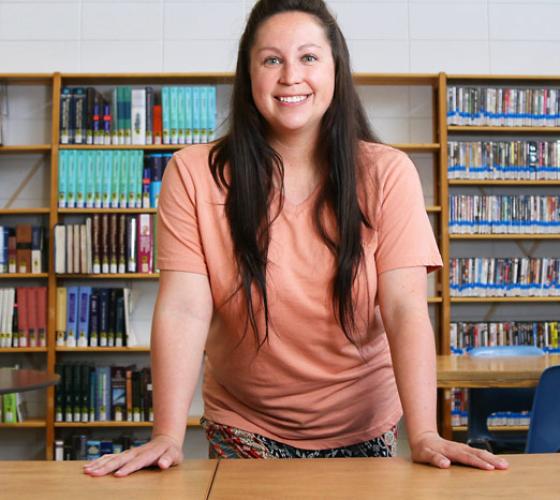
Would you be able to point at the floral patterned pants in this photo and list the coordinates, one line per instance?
(231, 442)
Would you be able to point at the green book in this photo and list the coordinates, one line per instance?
(181, 118)
(165, 115)
(107, 178)
(123, 179)
(98, 197)
(115, 181)
(62, 178)
(71, 179)
(81, 182)
(139, 167)
(127, 115)
(90, 157)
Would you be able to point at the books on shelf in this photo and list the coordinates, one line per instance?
(110, 179)
(505, 160)
(103, 394)
(464, 335)
(23, 249)
(23, 317)
(106, 244)
(503, 106)
(504, 277)
(83, 447)
(504, 419)
(94, 317)
(504, 214)
(171, 115)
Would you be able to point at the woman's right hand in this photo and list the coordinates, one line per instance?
(161, 450)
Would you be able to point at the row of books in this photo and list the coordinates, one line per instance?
(504, 277)
(102, 394)
(503, 106)
(508, 160)
(23, 317)
(93, 317)
(176, 115)
(464, 335)
(23, 249)
(110, 179)
(504, 214)
(107, 244)
(82, 447)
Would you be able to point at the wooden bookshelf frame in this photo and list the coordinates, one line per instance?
(439, 212)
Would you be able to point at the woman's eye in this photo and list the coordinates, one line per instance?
(309, 58)
(270, 61)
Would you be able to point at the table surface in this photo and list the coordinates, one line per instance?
(529, 476)
(20, 380)
(514, 371)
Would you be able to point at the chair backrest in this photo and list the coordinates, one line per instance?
(544, 430)
(505, 350)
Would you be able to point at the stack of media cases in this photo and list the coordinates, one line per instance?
(171, 115)
(504, 160)
(83, 447)
(110, 179)
(503, 106)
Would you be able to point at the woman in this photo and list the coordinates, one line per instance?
(295, 251)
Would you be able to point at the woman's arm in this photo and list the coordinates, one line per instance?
(182, 316)
(402, 297)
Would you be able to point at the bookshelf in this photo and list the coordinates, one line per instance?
(526, 244)
(442, 304)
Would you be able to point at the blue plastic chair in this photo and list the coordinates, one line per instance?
(544, 430)
(483, 402)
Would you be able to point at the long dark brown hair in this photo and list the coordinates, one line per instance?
(252, 163)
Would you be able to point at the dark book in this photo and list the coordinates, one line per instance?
(121, 247)
(66, 132)
(105, 256)
(37, 249)
(12, 253)
(84, 392)
(112, 317)
(106, 123)
(119, 320)
(23, 247)
(113, 247)
(79, 100)
(96, 244)
(68, 396)
(76, 393)
(90, 99)
(97, 115)
(136, 397)
(118, 394)
(148, 404)
(149, 114)
(79, 448)
(157, 130)
(94, 319)
(103, 316)
(59, 394)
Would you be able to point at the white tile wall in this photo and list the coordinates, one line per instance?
(457, 36)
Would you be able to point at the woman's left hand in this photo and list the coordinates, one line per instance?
(430, 448)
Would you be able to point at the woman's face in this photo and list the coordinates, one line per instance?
(292, 74)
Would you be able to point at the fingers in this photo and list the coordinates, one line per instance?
(463, 454)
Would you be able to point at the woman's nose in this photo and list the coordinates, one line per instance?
(290, 73)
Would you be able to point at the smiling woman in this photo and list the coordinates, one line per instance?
(294, 253)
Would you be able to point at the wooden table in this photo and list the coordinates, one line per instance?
(20, 380)
(529, 476)
(515, 371)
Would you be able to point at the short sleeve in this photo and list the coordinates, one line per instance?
(178, 234)
(405, 235)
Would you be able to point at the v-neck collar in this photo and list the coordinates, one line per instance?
(296, 208)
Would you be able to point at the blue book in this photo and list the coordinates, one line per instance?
(93, 449)
(72, 316)
(165, 115)
(203, 114)
(83, 315)
(173, 115)
(62, 178)
(104, 393)
(103, 295)
(196, 114)
(188, 115)
(211, 113)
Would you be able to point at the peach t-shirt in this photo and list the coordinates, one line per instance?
(308, 386)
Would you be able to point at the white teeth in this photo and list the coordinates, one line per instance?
(297, 98)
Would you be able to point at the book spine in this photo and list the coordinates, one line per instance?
(115, 117)
(144, 243)
(165, 115)
(106, 194)
(203, 114)
(23, 247)
(79, 97)
(90, 100)
(94, 319)
(189, 114)
(72, 320)
(138, 97)
(212, 118)
(119, 320)
(121, 247)
(90, 159)
(107, 123)
(61, 316)
(128, 115)
(157, 130)
(81, 179)
(98, 176)
(105, 243)
(65, 106)
(103, 316)
(37, 249)
(113, 228)
(131, 244)
(115, 182)
(181, 118)
(62, 178)
(83, 315)
(149, 115)
(22, 339)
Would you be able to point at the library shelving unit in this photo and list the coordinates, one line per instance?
(56, 81)
(471, 133)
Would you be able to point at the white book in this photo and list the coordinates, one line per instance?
(128, 307)
(76, 264)
(3, 317)
(138, 116)
(83, 252)
(60, 249)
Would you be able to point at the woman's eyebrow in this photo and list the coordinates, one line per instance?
(304, 46)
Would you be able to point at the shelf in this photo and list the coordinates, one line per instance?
(501, 182)
(125, 276)
(433, 209)
(504, 236)
(28, 424)
(16, 78)
(435, 300)
(145, 78)
(22, 276)
(191, 422)
(509, 130)
(77, 211)
(153, 147)
(24, 211)
(103, 349)
(504, 299)
(32, 148)
(493, 428)
(22, 349)
(417, 148)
